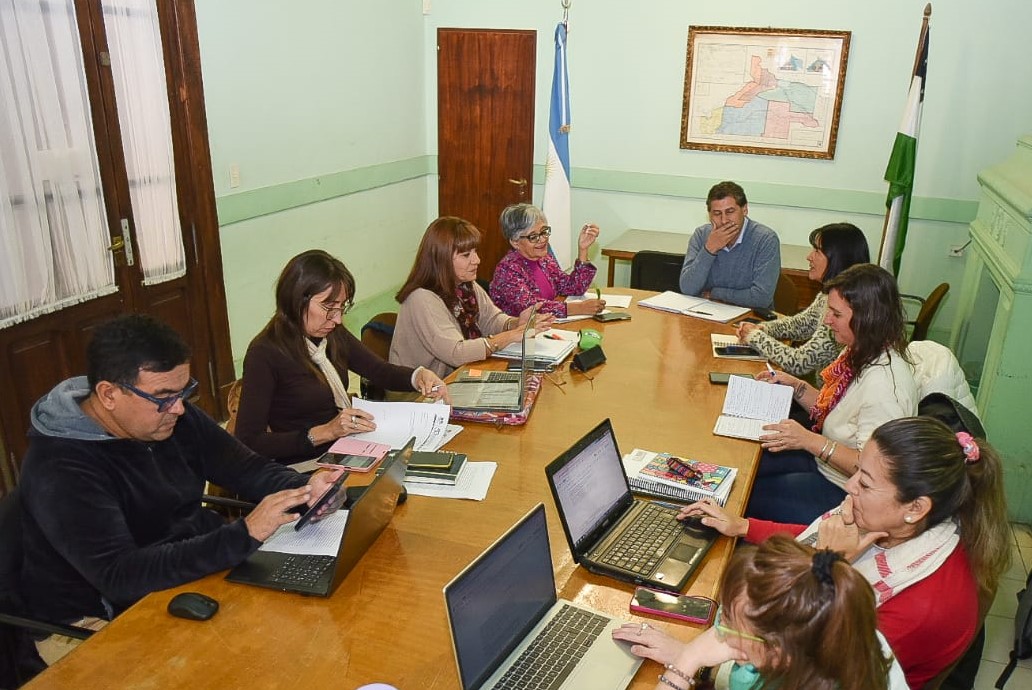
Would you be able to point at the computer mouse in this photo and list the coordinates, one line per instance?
(193, 606)
(693, 525)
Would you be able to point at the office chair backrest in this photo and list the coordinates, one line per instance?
(658, 271)
(786, 300)
(377, 335)
(929, 306)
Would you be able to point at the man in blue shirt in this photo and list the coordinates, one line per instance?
(732, 258)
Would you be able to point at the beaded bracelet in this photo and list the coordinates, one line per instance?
(666, 681)
(678, 672)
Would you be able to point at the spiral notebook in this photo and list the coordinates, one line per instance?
(643, 474)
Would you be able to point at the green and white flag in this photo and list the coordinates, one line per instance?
(900, 171)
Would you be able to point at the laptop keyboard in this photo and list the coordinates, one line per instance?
(644, 543)
(301, 570)
(554, 653)
(492, 377)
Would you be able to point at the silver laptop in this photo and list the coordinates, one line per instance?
(613, 533)
(500, 391)
(508, 625)
(318, 575)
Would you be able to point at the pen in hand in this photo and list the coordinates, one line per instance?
(773, 374)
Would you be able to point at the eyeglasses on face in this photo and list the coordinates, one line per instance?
(535, 237)
(724, 632)
(167, 403)
(333, 312)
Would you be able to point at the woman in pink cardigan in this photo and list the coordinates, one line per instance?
(925, 522)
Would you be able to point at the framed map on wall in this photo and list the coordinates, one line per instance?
(775, 92)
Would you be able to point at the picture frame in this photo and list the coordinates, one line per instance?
(773, 92)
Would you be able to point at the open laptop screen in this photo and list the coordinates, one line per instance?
(590, 483)
(494, 603)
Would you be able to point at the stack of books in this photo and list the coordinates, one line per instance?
(439, 467)
(663, 475)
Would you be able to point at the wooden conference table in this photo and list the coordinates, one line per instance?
(386, 622)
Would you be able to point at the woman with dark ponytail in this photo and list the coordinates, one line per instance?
(925, 523)
(791, 617)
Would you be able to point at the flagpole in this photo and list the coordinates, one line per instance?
(893, 207)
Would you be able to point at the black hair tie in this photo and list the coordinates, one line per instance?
(823, 561)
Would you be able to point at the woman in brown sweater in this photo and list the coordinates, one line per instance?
(294, 401)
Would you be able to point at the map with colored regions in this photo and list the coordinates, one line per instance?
(777, 98)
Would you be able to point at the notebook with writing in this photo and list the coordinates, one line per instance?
(609, 530)
(510, 630)
(319, 575)
(492, 390)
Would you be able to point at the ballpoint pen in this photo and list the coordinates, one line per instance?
(773, 374)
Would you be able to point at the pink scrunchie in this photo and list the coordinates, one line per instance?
(970, 447)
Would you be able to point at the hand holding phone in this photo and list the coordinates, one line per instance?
(680, 606)
(327, 503)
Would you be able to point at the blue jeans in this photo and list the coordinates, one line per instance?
(789, 488)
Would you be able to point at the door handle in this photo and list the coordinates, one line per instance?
(519, 183)
(121, 243)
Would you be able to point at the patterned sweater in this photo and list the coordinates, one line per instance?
(513, 288)
(819, 350)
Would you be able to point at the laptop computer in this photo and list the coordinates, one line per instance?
(500, 391)
(609, 530)
(319, 575)
(506, 621)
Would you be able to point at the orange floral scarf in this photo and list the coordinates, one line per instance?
(837, 376)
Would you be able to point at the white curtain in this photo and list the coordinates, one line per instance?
(53, 232)
(138, 69)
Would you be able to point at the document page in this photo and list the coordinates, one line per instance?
(753, 399)
(320, 538)
(397, 422)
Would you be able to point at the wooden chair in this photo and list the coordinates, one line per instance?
(658, 271)
(786, 299)
(377, 335)
(929, 306)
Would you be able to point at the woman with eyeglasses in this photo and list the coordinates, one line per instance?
(925, 523)
(529, 274)
(791, 617)
(836, 247)
(446, 319)
(294, 401)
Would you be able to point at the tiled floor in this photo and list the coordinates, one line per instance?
(999, 625)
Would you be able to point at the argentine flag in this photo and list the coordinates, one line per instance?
(556, 201)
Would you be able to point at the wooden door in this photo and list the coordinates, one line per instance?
(38, 354)
(485, 128)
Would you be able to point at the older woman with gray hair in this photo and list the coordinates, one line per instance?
(529, 274)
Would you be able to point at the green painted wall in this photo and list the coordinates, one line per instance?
(329, 109)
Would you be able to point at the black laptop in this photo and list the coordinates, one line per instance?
(609, 530)
(319, 575)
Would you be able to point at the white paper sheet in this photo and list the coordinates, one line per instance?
(320, 538)
(472, 483)
(397, 422)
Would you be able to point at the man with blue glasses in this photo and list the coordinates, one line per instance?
(112, 481)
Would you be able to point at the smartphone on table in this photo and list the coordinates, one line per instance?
(680, 606)
(736, 351)
(722, 378)
(347, 461)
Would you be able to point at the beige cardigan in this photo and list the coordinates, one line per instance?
(428, 334)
